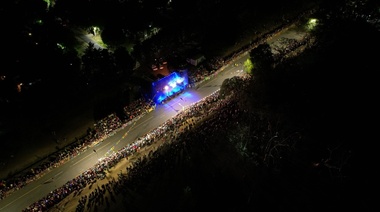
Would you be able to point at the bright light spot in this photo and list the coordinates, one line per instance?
(19, 87)
(248, 66)
(168, 86)
(311, 24)
(39, 21)
(172, 84)
(180, 80)
(60, 46)
(95, 30)
(47, 2)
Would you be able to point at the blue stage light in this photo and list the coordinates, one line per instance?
(168, 86)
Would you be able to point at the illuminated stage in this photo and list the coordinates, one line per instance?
(169, 86)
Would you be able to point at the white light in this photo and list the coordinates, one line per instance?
(172, 84)
(180, 80)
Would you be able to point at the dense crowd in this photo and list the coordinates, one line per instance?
(102, 129)
(165, 157)
(169, 130)
(136, 108)
(109, 125)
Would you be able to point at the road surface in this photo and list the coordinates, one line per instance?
(38, 189)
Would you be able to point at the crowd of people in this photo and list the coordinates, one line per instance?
(170, 131)
(138, 107)
(196, 123)
(106, 127)
(166, 155)
(101, 130)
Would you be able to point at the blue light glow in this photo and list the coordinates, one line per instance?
(168, 86)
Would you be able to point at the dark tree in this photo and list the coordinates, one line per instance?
(261, 93)
(262, 59)
(124, 61)
(113, 35)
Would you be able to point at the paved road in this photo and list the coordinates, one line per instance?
(38, 189)
(86, 38)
